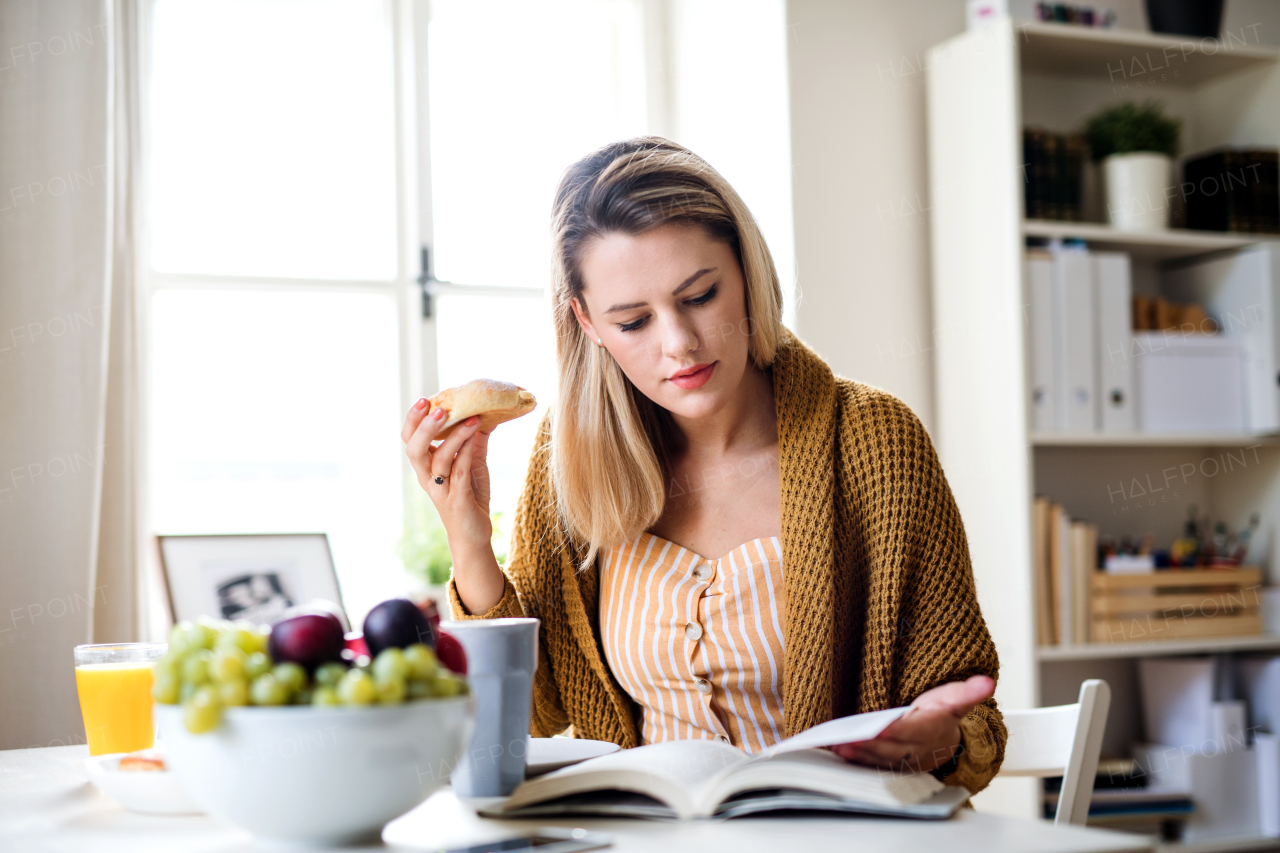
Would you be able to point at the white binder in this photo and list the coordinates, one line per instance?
(1041, 347)
(1113, 291)
(1077, 401)
(1240, 292)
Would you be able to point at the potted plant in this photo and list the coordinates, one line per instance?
(1136, 145)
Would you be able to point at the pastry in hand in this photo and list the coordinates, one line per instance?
(492, 400)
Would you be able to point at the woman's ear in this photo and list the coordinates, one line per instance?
(583, 322)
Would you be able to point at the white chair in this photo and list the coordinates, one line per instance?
(1061, 741)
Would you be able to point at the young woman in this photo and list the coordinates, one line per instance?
(721, 538)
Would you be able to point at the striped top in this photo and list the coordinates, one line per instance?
(697, 643)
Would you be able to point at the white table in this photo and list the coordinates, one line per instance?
(48, 804)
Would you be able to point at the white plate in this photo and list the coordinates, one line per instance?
(145, 791)
(552, 753)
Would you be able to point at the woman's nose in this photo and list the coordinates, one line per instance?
(679, 337)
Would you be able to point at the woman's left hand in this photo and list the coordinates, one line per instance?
(926, 737)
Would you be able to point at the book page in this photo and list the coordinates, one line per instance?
(826, 773)
(844, 730)
(675, 772)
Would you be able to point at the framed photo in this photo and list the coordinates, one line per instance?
(246, 576)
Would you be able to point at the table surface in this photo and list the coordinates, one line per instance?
(48, 804)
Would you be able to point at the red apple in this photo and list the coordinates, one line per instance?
(356, 645)
(450, 653)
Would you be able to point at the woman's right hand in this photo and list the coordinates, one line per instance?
(455, 475)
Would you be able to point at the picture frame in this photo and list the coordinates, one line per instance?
(254, 576)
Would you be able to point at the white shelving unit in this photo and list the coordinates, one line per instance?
(984, 87)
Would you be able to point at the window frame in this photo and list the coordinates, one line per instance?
(416, 373)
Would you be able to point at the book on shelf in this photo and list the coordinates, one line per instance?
(1065, 558)
(1053, 174)
(1046, 633)
(709, 779)
(1233, 189)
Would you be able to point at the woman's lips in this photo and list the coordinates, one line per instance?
(695, 380)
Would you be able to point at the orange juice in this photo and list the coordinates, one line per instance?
(115, 701)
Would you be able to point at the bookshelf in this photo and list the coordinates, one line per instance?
(1141, 439)
(1156, 247)
(983, 87)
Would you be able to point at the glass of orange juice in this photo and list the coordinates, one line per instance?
(114, 683)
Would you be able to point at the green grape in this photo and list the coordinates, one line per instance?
(205, 633)
(417, 689)
(195, 669)
(421, 660)
(236, 638)
(329, 674)
(181, 639)
(256, 664)
(390, 690)
(202, 713)
(228, 664)
(325, 696)
(291, 675)
(185, 692)
(390, 663)
(357, 688)
(447, 684)
(266, 690)
(166, 690)
(261, 639)
(233, 693)
(169, 665)
(303, 696)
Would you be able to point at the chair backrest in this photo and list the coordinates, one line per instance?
(1061, 741)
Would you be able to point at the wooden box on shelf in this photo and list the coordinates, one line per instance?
(1175, 604)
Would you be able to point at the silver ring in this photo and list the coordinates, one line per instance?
(439, 480)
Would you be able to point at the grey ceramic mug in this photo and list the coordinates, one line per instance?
(502, 655)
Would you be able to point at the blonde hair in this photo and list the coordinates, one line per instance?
(610, 444)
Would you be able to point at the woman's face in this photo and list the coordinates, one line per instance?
(664, 302)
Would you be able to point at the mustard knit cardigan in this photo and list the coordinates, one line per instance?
(880, 596)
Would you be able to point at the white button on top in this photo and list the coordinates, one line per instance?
(693, 630)
(702, 572)
(704, 686)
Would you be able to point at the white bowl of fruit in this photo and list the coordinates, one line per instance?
(283, 736)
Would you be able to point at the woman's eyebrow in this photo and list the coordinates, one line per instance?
(686, 283)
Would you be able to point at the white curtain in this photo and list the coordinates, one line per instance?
(70, 521)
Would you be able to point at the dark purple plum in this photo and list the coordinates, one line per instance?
(309, 639)
(396, 622)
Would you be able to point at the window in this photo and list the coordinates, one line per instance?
(506, 118)
(284, 321)
(274, 352)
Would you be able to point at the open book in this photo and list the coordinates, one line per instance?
(706, 778)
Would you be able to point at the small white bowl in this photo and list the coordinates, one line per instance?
(323, 776)
(145, 791)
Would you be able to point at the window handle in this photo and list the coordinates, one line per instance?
(427, 280)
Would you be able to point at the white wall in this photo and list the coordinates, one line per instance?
(726, 99)
(861, 196)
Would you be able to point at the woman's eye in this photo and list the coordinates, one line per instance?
(706, 297)
(632, 326)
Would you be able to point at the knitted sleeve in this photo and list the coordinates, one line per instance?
(937, 634)
(533, 560)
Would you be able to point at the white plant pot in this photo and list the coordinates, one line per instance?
(1136, 190)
